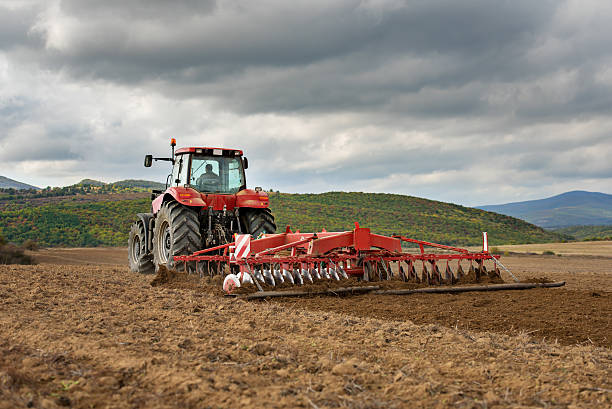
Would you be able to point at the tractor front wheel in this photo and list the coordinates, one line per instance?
(176, 233)
(139, 261)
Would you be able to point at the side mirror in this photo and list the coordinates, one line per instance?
(245, 163)
(148, 161)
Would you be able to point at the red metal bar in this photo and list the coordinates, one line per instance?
(425, 243)
(223, 246)
(284, 246)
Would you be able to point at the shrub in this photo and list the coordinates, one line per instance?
(548, 253)
(10, 254)
(30, 244)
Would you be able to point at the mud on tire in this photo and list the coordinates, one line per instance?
(176, 233)
(258, 221)
(139, 261)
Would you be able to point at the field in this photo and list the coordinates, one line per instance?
(80, 330)
(597, 248)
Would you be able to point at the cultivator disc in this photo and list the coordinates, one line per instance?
(295, 259)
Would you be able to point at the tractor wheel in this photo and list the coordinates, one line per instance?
(176, 233)
(140, 262)
(258, 221)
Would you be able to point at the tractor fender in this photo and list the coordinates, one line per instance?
(147, 221)
(252, 198)
(184, 195)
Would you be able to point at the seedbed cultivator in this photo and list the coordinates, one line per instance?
(297, 259)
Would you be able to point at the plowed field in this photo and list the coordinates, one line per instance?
(95, 335)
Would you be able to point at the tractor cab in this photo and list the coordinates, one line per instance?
(210, 170)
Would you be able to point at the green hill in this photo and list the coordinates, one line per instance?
(68, 221)
(415, 217)
(587, 232)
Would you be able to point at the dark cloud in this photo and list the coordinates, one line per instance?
(436, 97)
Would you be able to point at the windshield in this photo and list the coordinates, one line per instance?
(216, 174)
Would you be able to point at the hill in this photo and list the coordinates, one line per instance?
(72, 222)
(6, 183)
(567, 209)
(415, 217)
(587, 232)
(128, 183)
(90, 182)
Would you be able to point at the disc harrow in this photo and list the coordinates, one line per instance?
(296, 259)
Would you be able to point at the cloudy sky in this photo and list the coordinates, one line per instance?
(472, 102)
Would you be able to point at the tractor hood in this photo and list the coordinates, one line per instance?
(191, 197)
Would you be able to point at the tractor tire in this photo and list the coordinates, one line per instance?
(258, 222)
(176, 233)
(139, 261)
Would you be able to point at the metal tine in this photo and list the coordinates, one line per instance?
(324, 271)
(315, 273)
(367, 271)
(380, 270)
(435, 272)
(339, 270)
(411, 273)
(268, 276)
(278, 276)
(288, 276)
(334, 273)
(425, 277)
(247, 279)
(306, 275)
(297, 277)
(460, 272)
(401, 273)
(480, 270)
(448, 273)
(387, 269)
(258, 275)
(494, 272)
(472, 270)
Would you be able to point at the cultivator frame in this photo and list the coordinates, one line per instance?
(301, 258)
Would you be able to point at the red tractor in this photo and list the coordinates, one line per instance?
(205, 202)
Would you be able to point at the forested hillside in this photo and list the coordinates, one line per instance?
(419, 218)
(104, 219)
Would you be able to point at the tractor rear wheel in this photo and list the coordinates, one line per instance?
(139, 261)
(258, 221)
(176, 233)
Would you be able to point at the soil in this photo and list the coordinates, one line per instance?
(93, 336)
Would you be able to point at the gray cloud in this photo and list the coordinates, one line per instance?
(509, 100)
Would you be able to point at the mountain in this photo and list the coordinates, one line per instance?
(567, 209)
(6, 183)
(100, 220)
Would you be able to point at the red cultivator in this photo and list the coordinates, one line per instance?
(303, 258)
